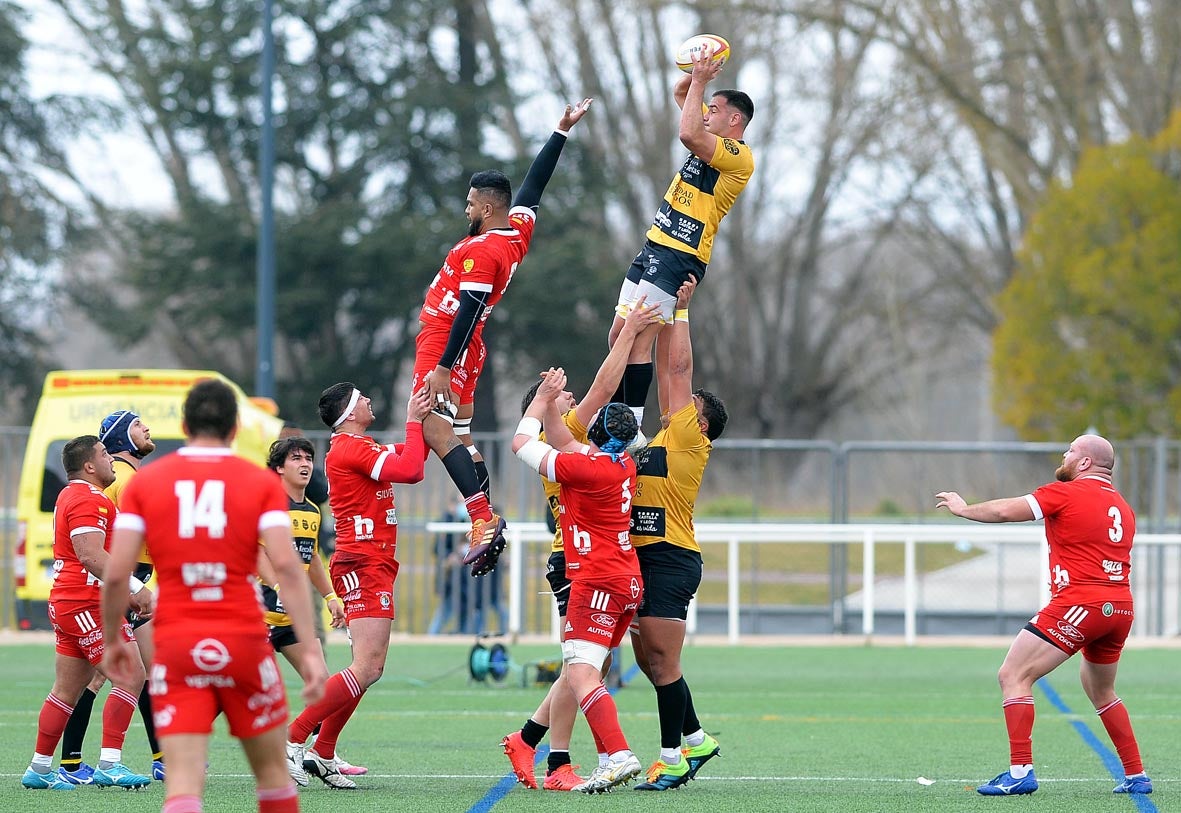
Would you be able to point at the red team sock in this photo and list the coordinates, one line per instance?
(1119, 727)
(603, 718)
(51, 723)
(278, 800)
(1019, 721)
(478, 507)
(117, 714)
(182, 804)
(340, 690)
(330, 730)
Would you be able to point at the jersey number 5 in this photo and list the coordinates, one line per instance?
(205, 510)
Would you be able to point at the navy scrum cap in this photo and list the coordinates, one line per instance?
(115, 432)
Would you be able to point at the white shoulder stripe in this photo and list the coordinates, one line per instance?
(274, 519)
(129, 522)
(1033, 504)
(376, 473)
(476, 286)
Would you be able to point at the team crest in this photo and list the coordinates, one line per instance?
(731, 145)
(385, 599)
(468, 265)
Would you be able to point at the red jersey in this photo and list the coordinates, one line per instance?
(1089, 527)
(201, 510)
(362, 505)
(484, 263)
(80, 508)
(595, 510)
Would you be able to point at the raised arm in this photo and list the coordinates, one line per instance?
(693, 134)
(542, 168)
(1006, 509)
(406, 463)
(674, 368)
(611, 370)
(527, 445)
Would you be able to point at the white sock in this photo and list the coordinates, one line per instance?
(620, 756)
(603, 759)
(111, 755)
(1019, 771)
(695, 739)
(41, 761)
(670, 756)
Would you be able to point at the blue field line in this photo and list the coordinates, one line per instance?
(1110, 760)
(506, 784)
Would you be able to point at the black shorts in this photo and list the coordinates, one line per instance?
(283, 637)
(671, 577)
(143, 572)
(664, 267)
(555, 574)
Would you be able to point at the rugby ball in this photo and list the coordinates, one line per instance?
(710, 43)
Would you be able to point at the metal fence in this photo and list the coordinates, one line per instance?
(783, 587)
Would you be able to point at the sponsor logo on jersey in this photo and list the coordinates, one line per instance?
(1076, 615)
(603, 620)
(1108, 609)
(635, 587)
(731, 146)
(162, 716)
(1071, 631)
(205, 681)
(597, 631)
(210, 655)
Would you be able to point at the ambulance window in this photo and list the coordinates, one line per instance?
(54, 479)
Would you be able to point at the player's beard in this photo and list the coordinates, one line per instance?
(1064, 473)
(474, 226)
(146, 448)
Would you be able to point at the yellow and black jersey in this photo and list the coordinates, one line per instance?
(552, 489)
(668, 477)
(699, 196)
(305, 528)
(124, 471)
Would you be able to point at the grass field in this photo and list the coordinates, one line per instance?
(846, 729)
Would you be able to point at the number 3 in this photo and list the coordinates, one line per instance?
(1116, 532)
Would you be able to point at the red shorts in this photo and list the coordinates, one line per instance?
(1097, 630)
(365, 582)
(428, 349)
(78, 630)
(194, 677)
(600, 611)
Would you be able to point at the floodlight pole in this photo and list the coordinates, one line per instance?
(264, 382)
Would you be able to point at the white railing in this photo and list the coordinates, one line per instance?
(523, 535)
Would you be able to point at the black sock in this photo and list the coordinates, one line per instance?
(483, 479)
(637, 380)
(316, 730)
(75, 731)
(692, 724)
(670, 704)
(532, 732)
(556, 760)
(462, 470)
(145, 711)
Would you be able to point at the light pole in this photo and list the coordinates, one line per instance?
(264, 382)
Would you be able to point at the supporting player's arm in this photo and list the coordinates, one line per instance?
(611, 370)
(405, 463)
(542, 168)
(676, 379)
(527, 445)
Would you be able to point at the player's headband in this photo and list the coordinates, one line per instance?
(348, 410)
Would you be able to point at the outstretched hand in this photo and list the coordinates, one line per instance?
(420, 404)
(952, 501)
(553, 381)
(574, 114)
(685, 292)
(704, 67)
(640, 316)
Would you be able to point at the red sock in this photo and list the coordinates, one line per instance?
(182, 804)
(1119, 727)
(278, 800)
(330, 730)
(117, 714)
(603, 718)
(341, 689)
(478, 507)
(1019, 721)
(51, 723)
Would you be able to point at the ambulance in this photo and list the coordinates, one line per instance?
(73, 403)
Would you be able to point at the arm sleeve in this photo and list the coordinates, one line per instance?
(540, 172)
(407, 466)
(471, 308)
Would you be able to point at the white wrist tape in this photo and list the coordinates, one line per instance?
(135, 584)
(533, 452)
(529, 426)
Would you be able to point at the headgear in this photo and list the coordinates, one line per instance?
(613, 429)
(115, 432)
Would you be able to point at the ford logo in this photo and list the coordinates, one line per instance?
(603, 620)
(1070, 631)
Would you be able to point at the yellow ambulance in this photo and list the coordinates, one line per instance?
(73, 403)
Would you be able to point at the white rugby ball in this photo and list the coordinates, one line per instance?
(708, 43)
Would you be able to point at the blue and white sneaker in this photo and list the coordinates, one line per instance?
(1137, 783)
(1006, 785)
(158, 770)
(120, 776)
(44, 781)
(84, 775)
